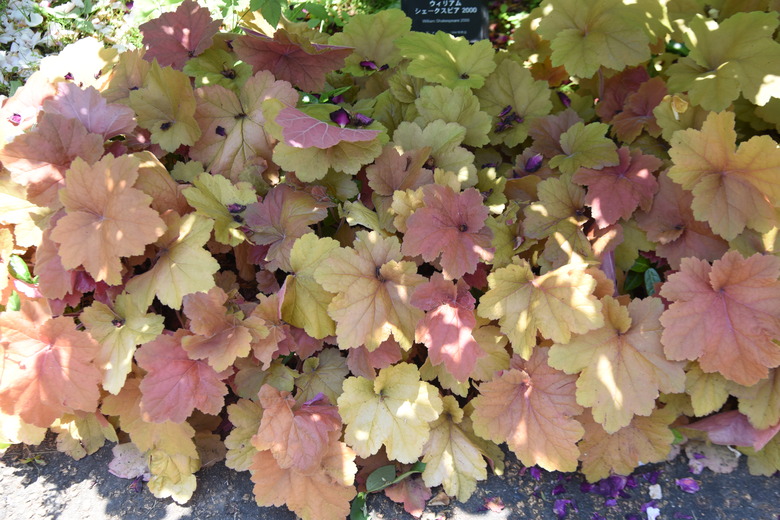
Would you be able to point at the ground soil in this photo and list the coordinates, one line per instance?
(60, 488)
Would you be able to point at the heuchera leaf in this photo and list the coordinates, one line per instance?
(393, 410)
(89, 107)
(291, 57)
(182, 267)
(732, 188)
(233, 140)
(451, 458)
(512, 86)
(671, 225)
(296, 434)
(165, 106)
(733, 428)
(48, 365)
(323, 374)
(219, 337)
(175, 37)
(587, 35)
(223, 201)
(245, 416)
(119, 330)
(458, 105)
(282, 217)
(585, 146)
(452, 225)
(448, 325)
(107, 219)
(412, 493)
(621, 366)
(301, 130)
(374, 288)
(708, 391)
(725, 316)
(557, 303)
(305, 302)
(761, 401)
(614, 192)
(637, 114)
(444, 140)
(81, 433)
(531, 407)
(739, 55)
(175, 385)
(322, 495)
(645, 440)
(39, 158)
(373, 37)
(218, 67)
(445, 59)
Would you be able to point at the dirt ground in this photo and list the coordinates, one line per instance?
(64, 489)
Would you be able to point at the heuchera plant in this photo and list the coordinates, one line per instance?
(317, 255)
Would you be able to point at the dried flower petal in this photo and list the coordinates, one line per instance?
(687, 484)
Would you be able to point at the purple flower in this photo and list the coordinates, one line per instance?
(220, 131)
(699, 456)
(559, 508)
(687, 484)
(648, 504)
(236, 208)
(340, 117)
(536, 473)
(69, 76)
(369, 65)
(558, 490)
(610, 487)
(15, 119)
(505, 112)
(337, 99)
(564, 99)
(361, 120)
(652, 477)
(586, 487)
(610, 502)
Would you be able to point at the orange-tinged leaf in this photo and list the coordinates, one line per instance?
(107, 219)
(671, 224)
(621, 366)
(219, 337)
(645, 440)
(89, 107)
(322, 495)
(175, 385)
(38, 159)
(412, 492)
(733, 187)
(374, 288)
(450, 225)
(393, 410)
(47, 366)
(531, 407)
(637, 114)
(297, 435)
(447, 329)
(725, 316)
(557, 304)
(233, 141)
(614, 192)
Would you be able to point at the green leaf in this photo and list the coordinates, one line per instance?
(19, 270)
(270, 9)
(651, 278)
(14, 303)
(358, 510)
(380, 478)
(633, 280)
(641, 264)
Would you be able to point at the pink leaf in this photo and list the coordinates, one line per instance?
(304, 131)
(89, 107)
(734, 428)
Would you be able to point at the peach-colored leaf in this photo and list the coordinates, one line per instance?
(300, 130)
(47, 366)
(412, 493)
(89, 107)
(531, 407)
(296, 435)
(726, 315)
(614, 192)
(39, 158)
(175, 385)
(448, 325)
(450, 225)
(107, 219)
